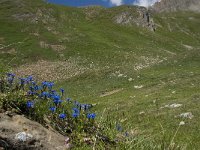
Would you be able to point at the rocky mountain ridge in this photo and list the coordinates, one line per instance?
(175, 5)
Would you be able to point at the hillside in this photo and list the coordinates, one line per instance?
(110, 57)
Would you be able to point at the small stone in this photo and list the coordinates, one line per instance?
(181, 123)
(23, 136)
(187, 115)
(130, 79)
(125, 76)
(142, 113)
(173, 105)
(120, 75)
(138, 86)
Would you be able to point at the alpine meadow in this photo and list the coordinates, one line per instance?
(124, 77)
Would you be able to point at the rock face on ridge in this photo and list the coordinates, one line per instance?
(135, 15)
(174, 5)
(20, 133)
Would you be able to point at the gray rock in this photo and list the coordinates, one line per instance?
(18, 132)
(188, 115)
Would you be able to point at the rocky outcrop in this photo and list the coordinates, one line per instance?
(174, 5)
(20, 133)
(41, 15)
(141, 17)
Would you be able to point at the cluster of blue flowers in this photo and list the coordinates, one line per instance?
(44, 91)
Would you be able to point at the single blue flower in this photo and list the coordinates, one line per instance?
(62, 90)
(36, 87)
(57, 101)
(126, 134)
(62, 116)
(45, 94)
(52, 109)
(22, 81)
(56, 97)
(68, 99)
(76, 110)
(45, 84)
(11, 75)
(50, 85)
(30, 104)
(91, 116)
(29, 78)
(118, 127)
(75, 115)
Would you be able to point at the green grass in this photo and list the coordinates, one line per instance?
(109, 48)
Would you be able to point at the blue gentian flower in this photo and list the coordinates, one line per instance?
(45, 94)
(36, 87)
(11, 75)
(68, 99)
(10, 80)
(76, 110)
(29, 78)
(126, 134)
(22, 81)
(118, 127)
(91, 116)
(62, 116)
(52, 109)
(75, 115)
(45, 84)
(62, 90)
(30, 104)
(56, 99)
(50, 85)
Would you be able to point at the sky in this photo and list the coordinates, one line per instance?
(105, 3)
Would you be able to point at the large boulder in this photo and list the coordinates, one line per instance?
(18, 132)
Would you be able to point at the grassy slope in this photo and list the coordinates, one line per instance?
(110, 48)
